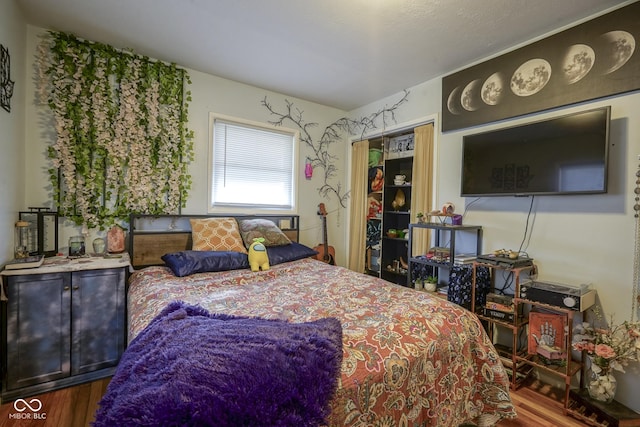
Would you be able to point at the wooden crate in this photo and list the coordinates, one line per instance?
(596, 413)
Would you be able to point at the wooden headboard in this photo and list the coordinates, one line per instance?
(151, 236)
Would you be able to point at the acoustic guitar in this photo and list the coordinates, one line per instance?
(326, 253)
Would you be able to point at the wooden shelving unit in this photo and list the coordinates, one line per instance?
(570, 367)
(576, 402)
(514, 356)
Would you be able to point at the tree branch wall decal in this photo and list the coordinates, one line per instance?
(320, 156)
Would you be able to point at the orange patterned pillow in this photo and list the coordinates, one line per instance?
(216, 234)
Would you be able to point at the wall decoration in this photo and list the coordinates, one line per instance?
(592, 60)
(321, 157)
(121, 144)
(635, 298)
(6, 84)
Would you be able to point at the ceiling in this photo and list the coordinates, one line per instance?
(339, 53)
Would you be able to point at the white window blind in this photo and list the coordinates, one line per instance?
(252, 166)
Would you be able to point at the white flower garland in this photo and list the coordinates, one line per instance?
(121, 144)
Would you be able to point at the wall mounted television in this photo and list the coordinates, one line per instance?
(558, 156)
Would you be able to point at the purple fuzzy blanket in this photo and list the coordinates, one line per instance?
(192, 368)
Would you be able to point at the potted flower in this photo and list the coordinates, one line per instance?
(431, 283)
(420, 217)
(608, 350)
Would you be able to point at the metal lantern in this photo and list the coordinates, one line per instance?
(43, 238)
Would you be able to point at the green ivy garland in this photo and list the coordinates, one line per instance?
(122, 144)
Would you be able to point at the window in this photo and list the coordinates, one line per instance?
(253, 166)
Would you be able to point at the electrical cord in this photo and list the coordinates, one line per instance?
(526, 228)
(466, 208)
(523, 338)
(527, 232)
(507, 280)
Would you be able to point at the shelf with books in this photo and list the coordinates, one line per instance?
(548, 330)
(454, 247)
(516, 324)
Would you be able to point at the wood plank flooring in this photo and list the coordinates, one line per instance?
(69, 407)
(538, 405)
(76, 406)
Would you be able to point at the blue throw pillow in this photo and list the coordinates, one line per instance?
(291, 252)
(186, 263)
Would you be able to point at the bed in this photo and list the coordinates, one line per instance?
(406, 358)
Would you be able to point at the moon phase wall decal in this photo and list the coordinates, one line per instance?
(592, 60)
(577, 62)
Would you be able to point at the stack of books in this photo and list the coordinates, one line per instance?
(28, 262)
(462, 259)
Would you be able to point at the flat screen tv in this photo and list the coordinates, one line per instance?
(559, 156)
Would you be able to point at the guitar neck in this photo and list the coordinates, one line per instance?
(325, 239)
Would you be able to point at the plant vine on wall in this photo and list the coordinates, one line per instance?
(122, 145)
(321, 157)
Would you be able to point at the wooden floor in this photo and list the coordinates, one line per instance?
(75, 407)
(69, 407)
(538, 405)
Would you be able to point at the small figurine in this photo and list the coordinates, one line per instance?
(258, 258)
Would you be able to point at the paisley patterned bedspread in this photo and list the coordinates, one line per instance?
(409, 359)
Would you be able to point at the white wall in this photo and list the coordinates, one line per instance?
(574, 239)
(214, 94)
(210, 94)
(12, 160)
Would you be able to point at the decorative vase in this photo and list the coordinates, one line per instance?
(115, 240)
(99, 245)
(601, 385)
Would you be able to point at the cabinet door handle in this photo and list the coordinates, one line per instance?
(66, 288)
(75, 288)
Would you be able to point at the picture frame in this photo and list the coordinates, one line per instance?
(400, 146)
(595, 59)
(547, 336)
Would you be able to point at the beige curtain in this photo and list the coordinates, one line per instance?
(358, 217)
(422, 184)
